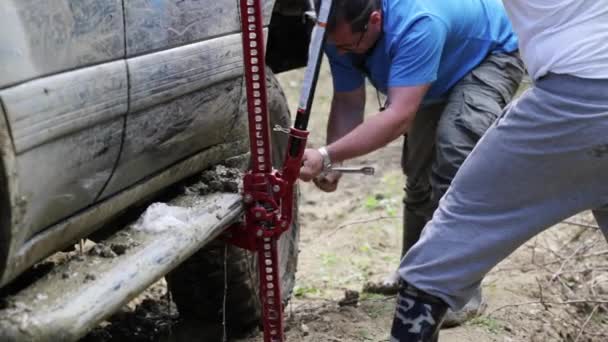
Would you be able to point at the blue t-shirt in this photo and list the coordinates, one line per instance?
(425, 41)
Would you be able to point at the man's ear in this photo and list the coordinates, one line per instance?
(375, 18)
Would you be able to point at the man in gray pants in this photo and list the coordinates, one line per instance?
(544, 160)
(447, 77)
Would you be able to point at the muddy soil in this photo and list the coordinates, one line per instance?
(554, 288)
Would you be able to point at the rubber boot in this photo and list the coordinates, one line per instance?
(412, 228)
(418, 316)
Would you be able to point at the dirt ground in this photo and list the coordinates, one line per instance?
(554, 288)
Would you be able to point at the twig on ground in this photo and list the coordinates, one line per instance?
(597, 334)
(360, 222)
(576, 251)
(386, 298)
(554, 253)
(585, 270)
(542, 299)
(582, 330)
(301, 310)
(578, 235)
(582, 225)
(600, 253)
(567, 302)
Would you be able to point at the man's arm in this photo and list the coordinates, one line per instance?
(345, 114)
(373, 133)
(381, 128)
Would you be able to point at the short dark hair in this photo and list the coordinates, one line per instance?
(354, 12)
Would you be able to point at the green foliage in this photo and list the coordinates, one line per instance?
(371, 296)
(391, 211)
(365, 248)
(377, 309)
(329, 259)
(372, 203)
(488, 323)
(305, 291)
(365, 335)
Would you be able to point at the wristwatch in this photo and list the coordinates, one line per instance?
(326, 159)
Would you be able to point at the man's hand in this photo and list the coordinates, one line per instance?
(328, 182)
(312, 164)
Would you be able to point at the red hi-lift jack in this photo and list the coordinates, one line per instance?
(268, 193)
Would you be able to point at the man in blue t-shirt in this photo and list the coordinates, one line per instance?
(448, 68)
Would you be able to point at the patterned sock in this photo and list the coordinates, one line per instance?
(418, 316)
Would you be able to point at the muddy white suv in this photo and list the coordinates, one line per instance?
(104, 105)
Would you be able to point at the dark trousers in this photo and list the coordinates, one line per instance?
(445, 133)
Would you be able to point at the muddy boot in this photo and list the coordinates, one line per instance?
(472, 309)
(389, 286)
(418, 316)
(412, 228)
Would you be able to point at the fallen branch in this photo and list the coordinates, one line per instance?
(580, 333)
(542, 299)
(583, 225)
(385, 298)
(604, 252)
(584, 270)
(597, 334)
(568, 302)
(581, 247)
(380, 218)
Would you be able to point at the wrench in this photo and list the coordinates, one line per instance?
(366, 170)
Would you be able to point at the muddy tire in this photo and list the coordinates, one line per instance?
(197, 285)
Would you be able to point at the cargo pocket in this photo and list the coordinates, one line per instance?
(478, 113)
(501, 72)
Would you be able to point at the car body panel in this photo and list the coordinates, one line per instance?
(165, 134)
(10, 211)
(49, 108)
(66, 131)
(161, 24)
(163, 76)
(42, 37)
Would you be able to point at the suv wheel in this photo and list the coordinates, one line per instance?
(198, 284)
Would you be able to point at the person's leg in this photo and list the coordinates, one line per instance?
(418, 205)
(539, 164)
(416, 159)
(442, 136)
(473, 105)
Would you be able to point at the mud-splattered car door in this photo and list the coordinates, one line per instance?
(185, 67)
(63, 91)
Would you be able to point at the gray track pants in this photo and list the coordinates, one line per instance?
(544, 160)
(444, 134)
